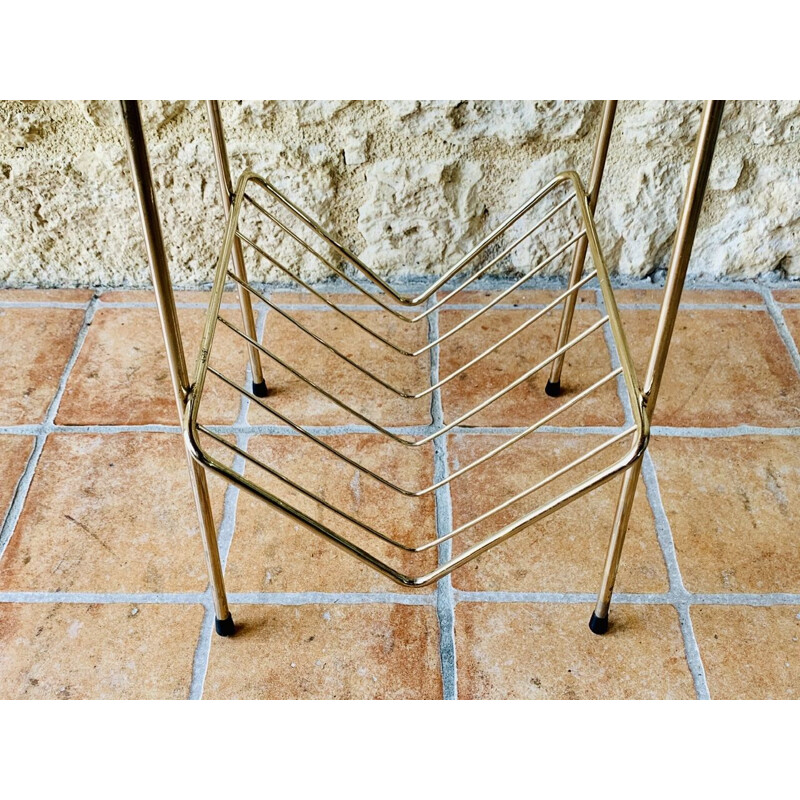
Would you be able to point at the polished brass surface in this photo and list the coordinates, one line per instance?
(226, 195)
(598, 168)
(676, 276)
(159, 269)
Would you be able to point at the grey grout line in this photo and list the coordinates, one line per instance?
(428, 598)
(143, 598)
(692, 650)
(723, 433)
(611, 346)
(263, 430)
(42, 428)
(321, 307)
(563, 598)
(677, 590)
(783, 330)
(24, 483)
(410, 430)
(414, 285)
(178, 304)
(692, 306)
(227, 525)
(663, 530)
(202, 652)
(333, 598)
(462, 596)
(350, 308)
(766, 599)
(445, 604)
(42, 304)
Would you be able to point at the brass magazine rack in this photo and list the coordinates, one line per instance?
(402, 330)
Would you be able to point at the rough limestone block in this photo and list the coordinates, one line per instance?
(513, 121)
(410, 186)
(417, 217)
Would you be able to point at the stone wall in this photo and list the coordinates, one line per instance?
(408, 185)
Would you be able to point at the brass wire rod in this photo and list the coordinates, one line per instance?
(591, 329)
(232, 230)
(430, 345)
(385, 431)
(538, 315)
(377, 564)
(309, 494)
(563, 177)
(553, 476)
(445, 537)
(395, 437)
(361, 289)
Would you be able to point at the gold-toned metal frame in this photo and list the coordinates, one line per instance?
(231, 269)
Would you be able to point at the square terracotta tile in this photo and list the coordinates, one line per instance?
(148, 296)
(584, 364)
(786, 295)
(305, 298)
(290, 396)
(122, 376)
(109, 513)
(357, 652)
(749, 652)
(725, 368)
(45, 295)
(532, 651)
(565, 551)
(110, 652)
(271, 553)
(733, 508)
(586, 297)
(14, 454)
(742, 297)
(37, 343)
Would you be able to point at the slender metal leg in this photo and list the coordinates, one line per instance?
(226, 191)
(676, 276)
(148, 210)
(553, 386)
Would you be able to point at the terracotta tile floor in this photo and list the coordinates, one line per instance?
(103, 589)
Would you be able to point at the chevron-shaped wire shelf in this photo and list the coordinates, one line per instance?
(266, 225)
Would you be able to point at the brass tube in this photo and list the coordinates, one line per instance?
(170, 327)
(226, 193)
(676, 276)
(553, 387)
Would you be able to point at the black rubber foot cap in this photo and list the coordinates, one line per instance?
(225, 627)
(553, 389)
(260, 389)
(598, 625)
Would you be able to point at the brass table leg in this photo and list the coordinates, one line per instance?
(148, 210)
(226, 192)
(676, 276)
(553, 386)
